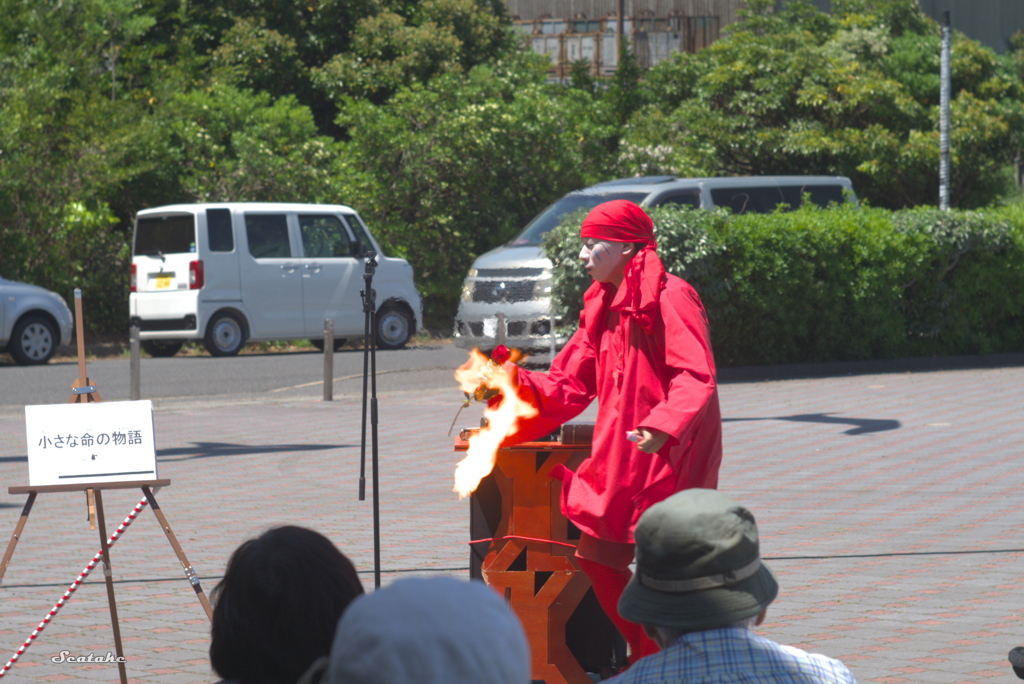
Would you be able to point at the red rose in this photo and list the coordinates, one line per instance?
(501, 354)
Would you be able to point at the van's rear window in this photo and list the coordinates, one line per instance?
(822, 195)
(173, 234)
(218, 230)
(765, 199)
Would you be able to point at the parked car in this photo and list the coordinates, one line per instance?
(33, 322)
(231, 273)
(506, 297)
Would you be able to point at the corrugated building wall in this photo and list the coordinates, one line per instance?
(596, 9)
(569, 30)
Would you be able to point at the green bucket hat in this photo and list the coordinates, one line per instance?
(698, 565)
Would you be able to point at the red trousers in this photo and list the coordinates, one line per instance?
(607, 565)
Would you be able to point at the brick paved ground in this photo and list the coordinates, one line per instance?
(888, 504)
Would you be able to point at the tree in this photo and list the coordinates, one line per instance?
(455, 167)
(237, 146)
(69, 136)
(97, 120)
(259, 58)
(624, 94)
(392, 49)
(852, 93)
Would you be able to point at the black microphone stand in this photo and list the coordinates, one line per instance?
(370, 373)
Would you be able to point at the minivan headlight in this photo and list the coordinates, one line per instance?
(542, 288)
(467, 285)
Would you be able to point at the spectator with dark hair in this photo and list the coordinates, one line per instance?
(277, 607)
(1017, 661)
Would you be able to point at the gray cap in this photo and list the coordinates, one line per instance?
(698, 564)
(436, 630)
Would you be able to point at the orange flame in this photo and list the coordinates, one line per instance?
(501, 420)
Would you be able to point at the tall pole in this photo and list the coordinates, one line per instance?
(621, 12)
(944, 88)
(370, 374)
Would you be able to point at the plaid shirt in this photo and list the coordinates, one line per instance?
(733, 655)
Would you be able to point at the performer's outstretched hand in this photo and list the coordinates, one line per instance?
(648, 439)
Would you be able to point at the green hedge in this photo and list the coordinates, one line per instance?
(835, 284)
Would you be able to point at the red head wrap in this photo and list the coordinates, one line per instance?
(618, 221)
(644, 276)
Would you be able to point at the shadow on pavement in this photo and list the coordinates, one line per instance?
(214, 449)
(861, 426)
(797, 371)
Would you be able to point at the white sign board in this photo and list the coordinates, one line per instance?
(90, 443)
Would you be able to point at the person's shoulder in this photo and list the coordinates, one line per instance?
(676, 284)
(818, 668)
(650, 669)
(677, 292)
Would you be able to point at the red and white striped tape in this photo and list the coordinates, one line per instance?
(74, 585)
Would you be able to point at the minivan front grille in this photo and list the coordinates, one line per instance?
(510, 272)
(494, 291)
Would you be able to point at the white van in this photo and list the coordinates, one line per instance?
(506, 297)
(231, 273)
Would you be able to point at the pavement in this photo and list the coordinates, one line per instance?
(889, 504)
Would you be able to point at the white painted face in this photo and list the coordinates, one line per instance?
(604, 260)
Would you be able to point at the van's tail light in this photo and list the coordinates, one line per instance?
(133, 279)
(195, 275)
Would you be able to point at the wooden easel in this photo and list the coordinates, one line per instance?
(83, 391)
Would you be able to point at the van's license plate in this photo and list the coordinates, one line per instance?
(162, 282)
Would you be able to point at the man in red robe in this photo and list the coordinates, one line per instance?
(644, 351)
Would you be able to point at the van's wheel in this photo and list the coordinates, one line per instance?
(33, 340)
(225, 335)
(161, 348)
(394, 327)
(338, 344)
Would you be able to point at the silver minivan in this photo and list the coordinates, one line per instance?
(230, 273)
(506, 298)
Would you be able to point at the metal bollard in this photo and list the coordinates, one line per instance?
(554, 342)
(501, 329)
(136, 382)
(328, 359)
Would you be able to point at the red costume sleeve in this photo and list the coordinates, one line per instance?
(561, 394)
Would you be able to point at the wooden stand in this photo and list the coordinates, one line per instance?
(83, 391)
(147, 487)
(540, 580)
